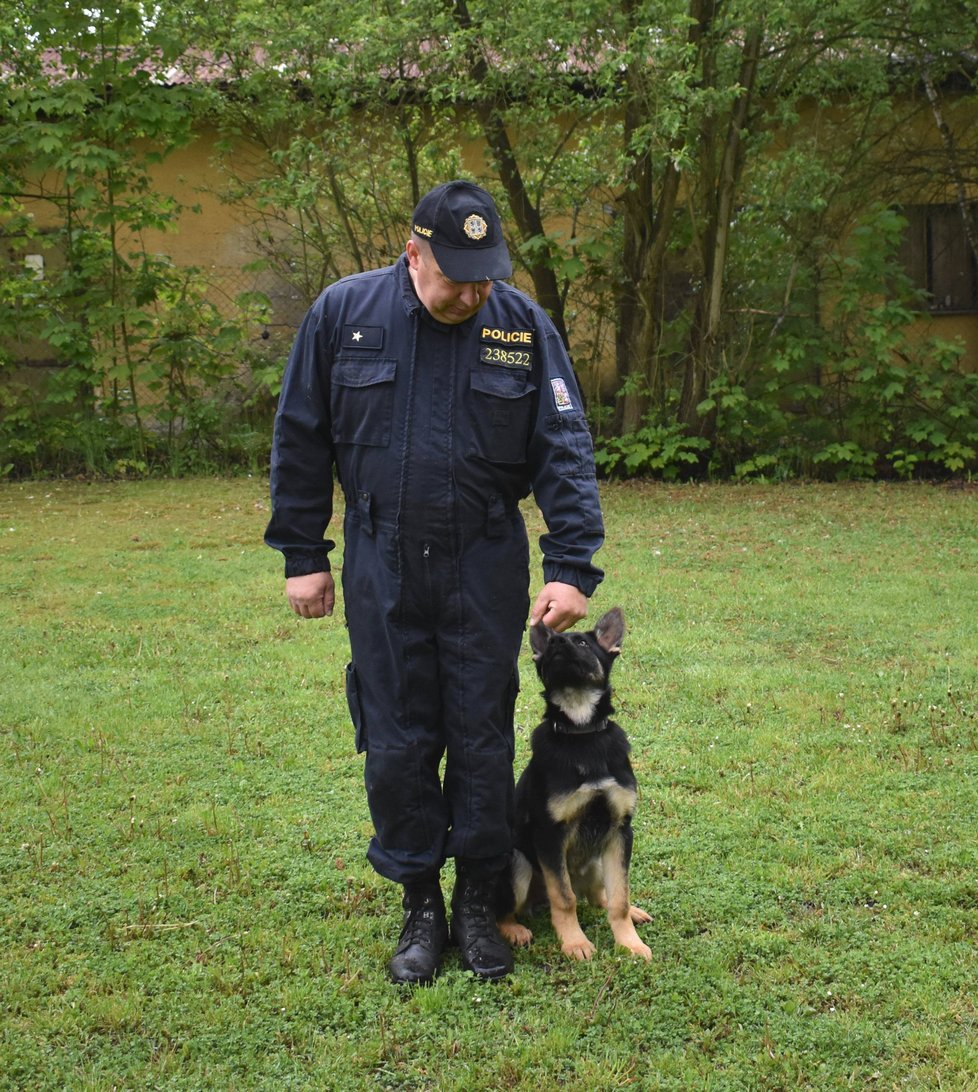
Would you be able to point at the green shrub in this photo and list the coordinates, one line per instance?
(656, 450)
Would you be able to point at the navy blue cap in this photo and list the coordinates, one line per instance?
(460, 221)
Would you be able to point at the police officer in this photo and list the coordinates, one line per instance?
(442, 396)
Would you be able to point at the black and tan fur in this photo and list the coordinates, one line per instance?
(575, 799)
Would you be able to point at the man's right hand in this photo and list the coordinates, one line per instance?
(311, 596)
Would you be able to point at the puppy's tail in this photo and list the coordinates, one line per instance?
(513, 886)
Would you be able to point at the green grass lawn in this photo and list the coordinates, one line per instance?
(184, 900)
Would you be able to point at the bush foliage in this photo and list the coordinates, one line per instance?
(736, 306)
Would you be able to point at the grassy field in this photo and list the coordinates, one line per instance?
(184, 901)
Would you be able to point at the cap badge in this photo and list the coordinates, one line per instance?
(475, 227)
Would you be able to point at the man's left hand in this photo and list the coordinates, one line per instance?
(559, 606)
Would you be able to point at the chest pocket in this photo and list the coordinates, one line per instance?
(502, 408)
(362, 400)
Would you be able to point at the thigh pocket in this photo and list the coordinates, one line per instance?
(356, 708)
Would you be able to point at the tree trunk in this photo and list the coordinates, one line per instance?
(524, 211)
(643, 259)
(647, 224)
(951, 151)
(702, 360)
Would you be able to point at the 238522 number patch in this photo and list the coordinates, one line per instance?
(508, 358)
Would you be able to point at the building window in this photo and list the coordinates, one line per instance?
(938, 257)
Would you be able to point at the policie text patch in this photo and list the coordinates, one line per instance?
(506, 348)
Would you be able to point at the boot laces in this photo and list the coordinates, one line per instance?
(474, 905)
(419, 923)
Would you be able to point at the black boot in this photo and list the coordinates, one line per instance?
(482, 948)
(423, 935)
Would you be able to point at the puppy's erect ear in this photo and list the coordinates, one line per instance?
(539, 639)
(610, 630)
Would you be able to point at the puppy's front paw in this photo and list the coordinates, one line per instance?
(578, 948)
(516, 935)
(639, 949)
(638, 915)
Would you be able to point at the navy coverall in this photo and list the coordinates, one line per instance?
(436, 432)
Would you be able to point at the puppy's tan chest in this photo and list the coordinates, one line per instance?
(568, 807)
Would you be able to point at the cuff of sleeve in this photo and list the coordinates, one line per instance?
(585, 580)
(303, 564)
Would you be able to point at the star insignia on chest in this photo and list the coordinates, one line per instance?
(356, 335)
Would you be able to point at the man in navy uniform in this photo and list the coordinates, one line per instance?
(442, 396)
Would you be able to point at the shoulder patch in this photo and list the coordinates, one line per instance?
(562, 397)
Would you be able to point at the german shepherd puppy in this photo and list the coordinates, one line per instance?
(574, 800)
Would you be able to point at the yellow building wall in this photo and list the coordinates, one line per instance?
(952, 328)
(218, 239)
(911, 145)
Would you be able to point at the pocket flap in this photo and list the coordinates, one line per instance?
(363, 373)
(501, 383)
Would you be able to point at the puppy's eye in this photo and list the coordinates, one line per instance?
(582, 642)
